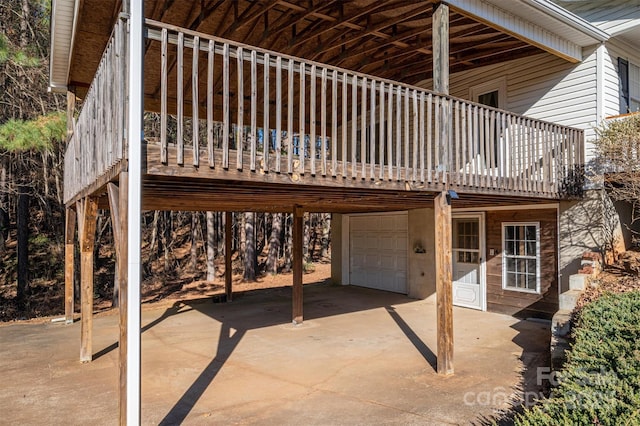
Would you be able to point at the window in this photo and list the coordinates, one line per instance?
(521, 257)
(629, 75)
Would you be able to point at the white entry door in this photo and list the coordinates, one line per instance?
(378, 251)
(468, 261)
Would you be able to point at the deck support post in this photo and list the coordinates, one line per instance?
(228, 273)
(69, 266)
(89, 207)
(444, 284)
(298, 224)
(122, 223)
(130, 331)
(442, 203)
(113, 192)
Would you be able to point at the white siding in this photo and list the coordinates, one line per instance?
(616, 49)
(613, 16)
(543, 87)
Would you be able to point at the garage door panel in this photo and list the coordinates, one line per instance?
(378, 251)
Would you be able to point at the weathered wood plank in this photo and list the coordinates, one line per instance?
(390, 132)
(323, 121)
(416, 131)
(344, 142)
(225, 105)
(87, 243)
(334, 123)
(195, 122)
(303, 118)
(266, 129)
(372, 130)
(240, 112)
(278, 147)
(354, 126)
(382, 131)
(290, 108)
(210, 103)
(254, 110)
(363, 128)
(444, 285)
(228, 235)
(312, 119)
(123, 303)
(180, 100)
(297, 297)
(69, 267)
(163, 94)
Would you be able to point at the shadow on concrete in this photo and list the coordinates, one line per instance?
(270, 307)
(424, 350)
(534, 338)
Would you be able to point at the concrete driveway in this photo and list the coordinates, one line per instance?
(361, 357)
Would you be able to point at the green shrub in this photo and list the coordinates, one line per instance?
(600, 383)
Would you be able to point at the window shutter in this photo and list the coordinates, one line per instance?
(623, 73)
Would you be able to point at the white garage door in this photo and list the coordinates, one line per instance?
(378, 251)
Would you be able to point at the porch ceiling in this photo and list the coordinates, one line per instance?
(389, 39)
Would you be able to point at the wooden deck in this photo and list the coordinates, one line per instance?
(288, 131)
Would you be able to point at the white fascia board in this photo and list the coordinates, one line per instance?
(570, 19)
(64, 15)
(521, 28)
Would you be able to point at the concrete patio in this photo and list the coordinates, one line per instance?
(361, 357)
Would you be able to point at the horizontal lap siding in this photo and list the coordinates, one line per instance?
(515, 302)
(615, 50)
(611, 16)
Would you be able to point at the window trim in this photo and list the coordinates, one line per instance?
(504, 256)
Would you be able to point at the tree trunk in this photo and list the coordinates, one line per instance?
(23, 243)
(167, 237)
(305, 237)
(249, 258)
(274, 243)
(194, 241)
(211, 244)
(288, 243)
(326, 235)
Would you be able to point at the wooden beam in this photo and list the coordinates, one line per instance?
(444, 285)
(87, 243)
(69, 267)
(228, 272)
(298, 222)
(122, 224)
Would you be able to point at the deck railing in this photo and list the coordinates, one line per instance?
(229, 106)
(97, 142)
(282, 114)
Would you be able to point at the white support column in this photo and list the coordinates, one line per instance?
(135, 77)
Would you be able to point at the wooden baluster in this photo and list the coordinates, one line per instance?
(290, 107)
(225, 106)
(195, 124)
(456, 136)
(414, 116)
(390, 132)
(323, 122)
(301, 137)
(312, 119)
(344, 140)
(334, 123)
(163, 98)
(421, 131)
(278, 112)
(407, 138)
(210, 103)
(266, 129)
(363, 129)
(429, 120)
(240, 122)
(180, 101)
(398, 132)
(372, 131)
(438, 167)
(381, 131)
(354, 125)
(254, 110)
